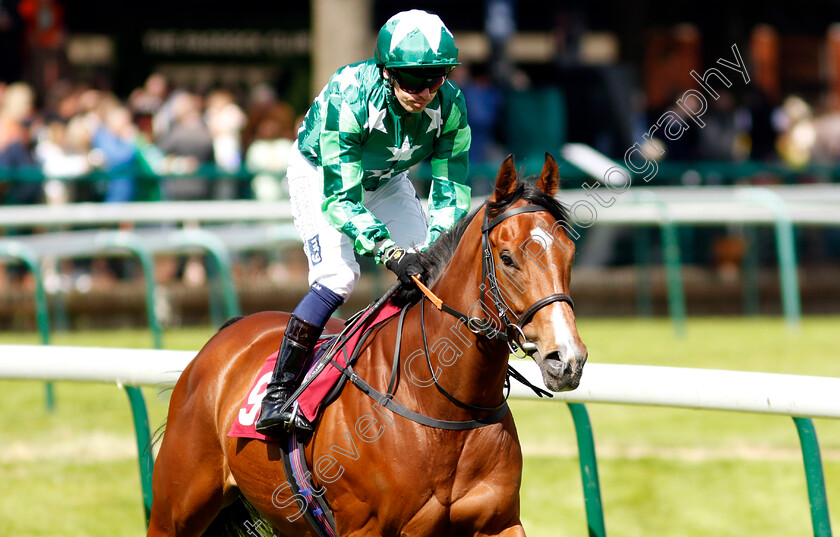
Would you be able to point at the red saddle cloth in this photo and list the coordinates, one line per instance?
(309, 402)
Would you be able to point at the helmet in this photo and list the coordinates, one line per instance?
(415, 39)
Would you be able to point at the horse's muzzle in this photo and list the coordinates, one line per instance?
(561, 373)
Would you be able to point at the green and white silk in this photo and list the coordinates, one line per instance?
(360, 136)
(415, 39)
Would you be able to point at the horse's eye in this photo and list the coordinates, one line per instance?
(507, 260)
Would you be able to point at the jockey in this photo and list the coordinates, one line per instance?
(349, 186)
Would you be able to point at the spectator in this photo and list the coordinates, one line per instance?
(764, 128)
(63, 152)
(145, 102)
(798, 134)
(115, 143)
(262, 99)
(827, 129)
(93, 106)
(484, 103)
(718, 139)
(16, 114)
(225, 120)
(186, 146)
(268, 156)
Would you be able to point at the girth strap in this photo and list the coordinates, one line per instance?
(315, 508)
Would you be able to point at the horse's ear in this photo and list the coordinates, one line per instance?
(505, 181)
(550, 176)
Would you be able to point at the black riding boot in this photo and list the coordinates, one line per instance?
(298, 342)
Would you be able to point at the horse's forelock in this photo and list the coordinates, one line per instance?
(534, 196)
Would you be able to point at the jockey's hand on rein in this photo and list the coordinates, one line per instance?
(403, 264)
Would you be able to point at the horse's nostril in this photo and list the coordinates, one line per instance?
(554, 364)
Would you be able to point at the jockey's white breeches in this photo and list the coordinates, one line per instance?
(330, 253)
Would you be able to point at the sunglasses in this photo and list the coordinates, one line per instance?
(418, 81)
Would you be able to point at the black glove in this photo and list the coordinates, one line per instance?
(403, 264)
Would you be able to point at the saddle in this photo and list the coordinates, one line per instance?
(322, 384)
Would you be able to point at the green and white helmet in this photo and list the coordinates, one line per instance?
(415, 39)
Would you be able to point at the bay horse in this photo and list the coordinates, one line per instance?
(508, 266)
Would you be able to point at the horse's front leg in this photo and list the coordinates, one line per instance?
(491, 509)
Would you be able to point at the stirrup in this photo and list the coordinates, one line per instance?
(297, 421)
(291, 419)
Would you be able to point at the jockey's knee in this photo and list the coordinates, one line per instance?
(340, 283)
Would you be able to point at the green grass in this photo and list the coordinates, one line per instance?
(57, 498)
(676, 472)
(747, 344)
(654, 497)
(668, 472)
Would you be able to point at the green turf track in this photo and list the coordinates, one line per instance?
(664, 472)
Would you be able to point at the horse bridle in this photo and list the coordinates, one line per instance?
(476, 324)
(510, 328)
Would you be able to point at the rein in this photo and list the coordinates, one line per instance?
(474, 324)
(387, 399)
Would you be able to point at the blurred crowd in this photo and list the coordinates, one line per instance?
(158, 143)
(158, 130)
(794, 132)
(221, 144)
(171, 143)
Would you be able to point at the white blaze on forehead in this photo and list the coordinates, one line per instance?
(540, 233)
(560, 324)
(542, 237)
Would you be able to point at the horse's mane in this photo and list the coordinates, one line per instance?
(438, 255)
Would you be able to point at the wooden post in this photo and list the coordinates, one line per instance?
(341, 34)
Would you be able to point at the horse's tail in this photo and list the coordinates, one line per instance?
(240, 519)
(157, 436)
